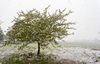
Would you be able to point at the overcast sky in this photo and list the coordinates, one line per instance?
(86, 14)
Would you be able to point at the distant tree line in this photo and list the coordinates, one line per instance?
(1, 35)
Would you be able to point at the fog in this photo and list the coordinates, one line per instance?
(86, 14)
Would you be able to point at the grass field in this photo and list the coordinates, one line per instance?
(93, 45)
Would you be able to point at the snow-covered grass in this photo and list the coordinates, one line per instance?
(79, 54)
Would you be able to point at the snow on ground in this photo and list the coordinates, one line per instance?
(72, 53)
(78, 54)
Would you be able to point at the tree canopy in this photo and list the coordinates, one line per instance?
(41, 27)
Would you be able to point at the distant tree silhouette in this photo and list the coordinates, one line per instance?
(1, 34)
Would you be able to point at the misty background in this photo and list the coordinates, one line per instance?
(86, 14)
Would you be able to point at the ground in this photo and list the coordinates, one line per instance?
(77, 54)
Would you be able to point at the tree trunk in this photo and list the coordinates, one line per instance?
(14, 39)
(38, 53)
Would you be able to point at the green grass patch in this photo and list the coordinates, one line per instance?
(93, 45)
